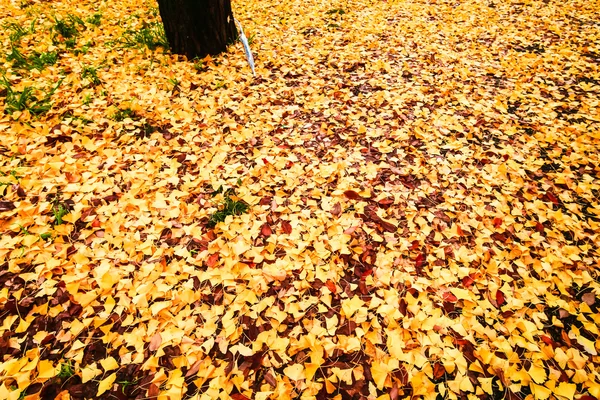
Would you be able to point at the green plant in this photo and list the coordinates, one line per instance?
(175, 82)
(123, 113)
(59, 211)
(17, 58)
(17, 31)
(77, 20)
(70, 43)
(40, 60)
(94, 19)
(26, 100)
(124, 384)
(87, 99)
(150, 35)
(198, 65)
(338, 11)
(230, 206)
(66, 370)
(91, 74)
(64, 28)
(46, 236)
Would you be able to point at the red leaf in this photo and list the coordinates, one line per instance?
(438, 370)
(552, 197)
(447, 296)
(497, 222)
(287, 228)
(239, 396)
(386, 202)
(467, 281)
(459, 230)
(366, 273)
(331, 286)
(419, 260)
(211, 261)
(548, 340)
(539, 227)
(266, 230)
(352, 195)
(500, 298)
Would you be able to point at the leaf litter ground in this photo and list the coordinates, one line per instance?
(414, 188)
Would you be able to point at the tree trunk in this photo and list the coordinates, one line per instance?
(196, 28)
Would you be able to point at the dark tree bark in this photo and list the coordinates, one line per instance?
(196, 28)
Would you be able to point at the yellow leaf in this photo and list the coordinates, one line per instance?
(349, 307)
(566, 390)
(295, 372)
(109, 364)
(46, 369)
(540, 392)
(537, 373)
(379, 372)
(89, 372)
(106, 383)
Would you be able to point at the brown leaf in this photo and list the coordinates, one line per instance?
(336, 210)
(6, 206)
(155, 342)
(270, 379)
(265, 230)
(589, 299)
(153, 391)
(286, 226)
(352, 195)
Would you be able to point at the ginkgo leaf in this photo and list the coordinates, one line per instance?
(295, 372)
(106, 384)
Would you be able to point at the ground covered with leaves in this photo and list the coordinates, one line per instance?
(403, 202)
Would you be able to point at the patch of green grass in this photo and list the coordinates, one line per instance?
(123, 113)
(70, 43)
(94, 19)
(16, 57)
(26, 99)
(36, 61)
(87, 99)
(65, 28)
(338, 11)
(150, 35)
(91, 74)
(230, 206)
(175, 82)
(76, 20)
(66, 370)
(59, 211)
(198, 64)
(16, 31)
(40, 60)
